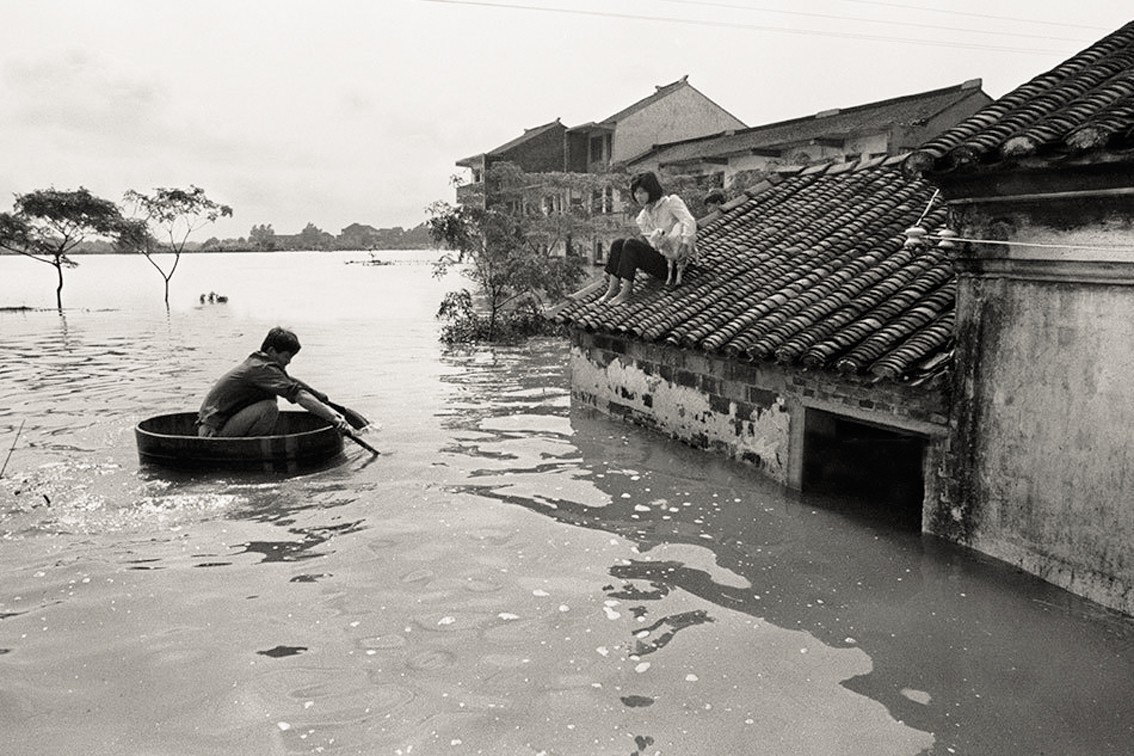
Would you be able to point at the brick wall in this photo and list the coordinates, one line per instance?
(754, 413)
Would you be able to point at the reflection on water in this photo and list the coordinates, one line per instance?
(949, 634)
(510, 576)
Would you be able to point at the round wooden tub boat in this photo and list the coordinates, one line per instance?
(301, 440)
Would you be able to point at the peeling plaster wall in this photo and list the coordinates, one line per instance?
(751, 413)
(753, 433)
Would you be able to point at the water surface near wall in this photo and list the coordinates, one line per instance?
(509, 576)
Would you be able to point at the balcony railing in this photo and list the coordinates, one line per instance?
(471, 194)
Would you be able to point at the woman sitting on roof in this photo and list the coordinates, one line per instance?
(669, 233)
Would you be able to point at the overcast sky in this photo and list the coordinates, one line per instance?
(356, 110)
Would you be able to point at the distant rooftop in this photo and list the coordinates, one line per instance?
(911, 110)
(660, 92)
(528, 134)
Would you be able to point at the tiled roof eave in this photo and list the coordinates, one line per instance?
(994, 163)
(864, 376)
(1084, 104)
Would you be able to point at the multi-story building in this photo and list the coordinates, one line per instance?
(678, 131)
(564, 164)
(537, 150)
(673, 112)
(876, 129)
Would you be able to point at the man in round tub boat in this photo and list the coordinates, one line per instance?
(243, 401)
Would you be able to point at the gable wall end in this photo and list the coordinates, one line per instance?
(1044, 404)
(684, 114)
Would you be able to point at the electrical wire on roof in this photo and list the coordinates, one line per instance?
(758, 27)
(888, 22)
(928, 206)
(916, 235)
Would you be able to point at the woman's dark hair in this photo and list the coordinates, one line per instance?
(649, 182)
(282, 340)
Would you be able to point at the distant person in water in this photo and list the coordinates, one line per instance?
(666, 224)
(243, 401)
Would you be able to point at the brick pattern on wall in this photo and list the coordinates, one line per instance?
(743, 411)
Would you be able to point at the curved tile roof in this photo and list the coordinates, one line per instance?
(909, 110)
(500, 151)
(807, 270)
(1084, 104)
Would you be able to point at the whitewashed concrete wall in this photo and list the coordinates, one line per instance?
(1045, 407)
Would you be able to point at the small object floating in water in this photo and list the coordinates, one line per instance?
(373, 260)
(302, 441)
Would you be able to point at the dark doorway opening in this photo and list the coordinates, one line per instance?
(867, 470)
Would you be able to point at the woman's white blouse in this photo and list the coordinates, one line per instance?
(663, 215)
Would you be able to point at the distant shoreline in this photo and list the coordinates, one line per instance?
(77, 253)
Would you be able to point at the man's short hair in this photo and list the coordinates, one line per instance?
(282, 340)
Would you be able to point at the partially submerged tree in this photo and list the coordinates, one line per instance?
(47, 224)
(169, 217)
(513, 272)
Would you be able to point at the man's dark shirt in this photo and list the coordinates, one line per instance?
(254, 380)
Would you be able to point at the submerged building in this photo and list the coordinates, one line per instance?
(971, 377)
(811, 340)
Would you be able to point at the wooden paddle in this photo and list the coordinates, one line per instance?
(354, 437)
(354, 419)
(17, 438)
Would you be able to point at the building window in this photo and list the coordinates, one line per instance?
(552, 204)
(596, 148)
(602, 200)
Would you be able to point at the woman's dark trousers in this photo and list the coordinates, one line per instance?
(630, 255)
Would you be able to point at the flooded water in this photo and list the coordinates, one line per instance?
(510, 576)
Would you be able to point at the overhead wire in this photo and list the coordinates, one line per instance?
(1060, 24)
(753, 27)
(860, 19)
